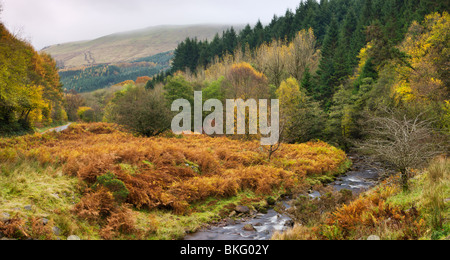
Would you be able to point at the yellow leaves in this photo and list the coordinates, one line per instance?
(82, 111)
(403, 92)
(248, 67)
(289, 95)
(245, 82)
(427, 45)
(29, 81)
(277, 60)
(363, 58)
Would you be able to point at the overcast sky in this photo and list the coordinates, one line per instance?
(48, 22)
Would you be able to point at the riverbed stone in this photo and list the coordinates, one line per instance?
(28, 207)
(230, 222)
(242, 209)
(249, 227)
(73, 237)
(373, 238)
(271, 201)
(45, 221)
(289, 223)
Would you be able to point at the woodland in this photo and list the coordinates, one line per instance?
(366, 77)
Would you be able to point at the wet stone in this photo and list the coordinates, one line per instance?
(249, 227)
(242, 209)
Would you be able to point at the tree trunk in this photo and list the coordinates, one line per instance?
(405, 180)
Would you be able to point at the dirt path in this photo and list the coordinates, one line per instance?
(58, 129)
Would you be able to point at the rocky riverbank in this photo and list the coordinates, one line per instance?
(244, 224)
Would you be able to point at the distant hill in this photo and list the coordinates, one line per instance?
(91, 78)
(129, 46)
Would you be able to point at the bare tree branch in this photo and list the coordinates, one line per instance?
(404, 143)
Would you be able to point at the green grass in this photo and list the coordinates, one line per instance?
(429, 195)
(49, 192)
(53, 194)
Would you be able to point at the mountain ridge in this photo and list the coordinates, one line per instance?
(130, 45)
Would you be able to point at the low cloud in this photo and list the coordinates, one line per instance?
(47, 22)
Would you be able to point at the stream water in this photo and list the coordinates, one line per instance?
(360, 178)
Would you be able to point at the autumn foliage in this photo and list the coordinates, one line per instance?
(30, 91)
(163, 172)
(372, 214)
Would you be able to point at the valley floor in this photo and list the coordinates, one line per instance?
(96, 181)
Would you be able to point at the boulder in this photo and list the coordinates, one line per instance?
(249, 227)
(242, 209)
(271, 201)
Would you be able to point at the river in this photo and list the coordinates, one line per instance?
(363, 176)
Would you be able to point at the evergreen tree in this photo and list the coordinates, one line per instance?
(346, 53)
(328, 79)
(258, 36)
(230, 40)
(308, 82)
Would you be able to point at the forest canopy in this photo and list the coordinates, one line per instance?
(30, 88)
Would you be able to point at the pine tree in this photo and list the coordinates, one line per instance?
(258, 36)
(230, 40)
(345, 58)
(307, 81)
(327, 68)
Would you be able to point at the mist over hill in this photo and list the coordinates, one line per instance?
(129, 46)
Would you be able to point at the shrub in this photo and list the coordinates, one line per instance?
(117, 187)
(142, 111)
(371, 214)
(86, 114)
(96, 206)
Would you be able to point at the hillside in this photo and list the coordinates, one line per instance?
(91, 78)
(129, 46)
